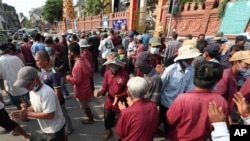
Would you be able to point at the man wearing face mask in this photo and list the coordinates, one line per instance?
(143, 63)
(115, 84)
(44, 105)
(154, 48)
(227, 86)
(177, 79)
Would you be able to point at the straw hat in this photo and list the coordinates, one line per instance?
(187, 52)
(243, 56)
(83, 43)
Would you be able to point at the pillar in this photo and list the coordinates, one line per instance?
(158, 23)
(142, 16)
(132, 11)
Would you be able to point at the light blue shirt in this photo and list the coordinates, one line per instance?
(36, 47)
(174, 82)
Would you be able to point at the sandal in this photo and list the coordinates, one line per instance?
(87, 121)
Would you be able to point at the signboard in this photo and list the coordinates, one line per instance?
(105, 22)
(236, 17)
(173, 8)
(117, 24)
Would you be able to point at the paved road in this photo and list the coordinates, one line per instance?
(93, 132)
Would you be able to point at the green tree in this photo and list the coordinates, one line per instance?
(53, 11)
(94, 7)
(26, 23)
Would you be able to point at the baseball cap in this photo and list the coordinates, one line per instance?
(213, 49)
(155, 41)
(24, 75)
(143, 58)
(139, 37)
(241, 56)
(131, 34)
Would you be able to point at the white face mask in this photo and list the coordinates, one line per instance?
(154, 50)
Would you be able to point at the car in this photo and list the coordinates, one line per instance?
(30, 32)
(3, 38)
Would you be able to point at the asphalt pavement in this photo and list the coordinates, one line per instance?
(92, 132)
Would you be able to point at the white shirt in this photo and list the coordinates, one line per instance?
(1, 105)
(214, 60)
(174, 82)
(9, 67)
(106, 45)
(132, 47)
(45, 100)
(220, 132)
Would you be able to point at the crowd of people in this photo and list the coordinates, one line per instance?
(195, 88)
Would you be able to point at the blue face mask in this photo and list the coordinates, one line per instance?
(18, 47)
(185, 64)
(48, 49)
(241, 69)
(154, 50)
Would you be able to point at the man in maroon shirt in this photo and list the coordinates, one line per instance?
(188, 116)
(227, 86)
(132, 124)
(26, 51)
(115, 84)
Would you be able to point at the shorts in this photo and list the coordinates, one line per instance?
(17, 100)
(6, 122)
(58, 136)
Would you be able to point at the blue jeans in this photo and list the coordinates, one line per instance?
(63, 87)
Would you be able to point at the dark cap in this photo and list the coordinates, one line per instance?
(212, 49)
(131, 34)
(241, 38)
(143, 58)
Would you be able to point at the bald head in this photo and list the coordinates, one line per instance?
(43, 55)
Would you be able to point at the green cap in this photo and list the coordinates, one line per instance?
(155, 41)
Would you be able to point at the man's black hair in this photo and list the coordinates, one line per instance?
(37, 37)
(201, 45)
(174, 35)
(75, 48)
(48, 40)
(207, 75)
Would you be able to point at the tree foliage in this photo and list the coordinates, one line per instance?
(26, 23)
(53, 11)
(94, 7)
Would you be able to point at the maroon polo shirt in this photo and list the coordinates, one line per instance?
(245, 89)
(227, 87)
(57, 47)
(88, 55)
(26, 51)
(114, 84)
(139, 122)
(188, 115)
